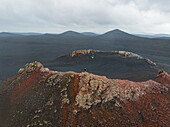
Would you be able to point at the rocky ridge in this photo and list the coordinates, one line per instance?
(37, 96)
(112, 64)
(123, 53)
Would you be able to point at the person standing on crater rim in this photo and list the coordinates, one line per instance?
(85, 70)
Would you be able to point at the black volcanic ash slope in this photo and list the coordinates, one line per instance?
(16, 51)
(116, 65)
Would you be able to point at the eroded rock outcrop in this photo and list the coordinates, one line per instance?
(37, 96)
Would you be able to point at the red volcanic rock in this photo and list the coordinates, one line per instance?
(163, 78)
(37, 96)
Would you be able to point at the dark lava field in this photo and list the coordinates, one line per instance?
(17, 50)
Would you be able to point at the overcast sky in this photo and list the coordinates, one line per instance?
(55, 16)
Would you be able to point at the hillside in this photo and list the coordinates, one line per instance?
(37, 96)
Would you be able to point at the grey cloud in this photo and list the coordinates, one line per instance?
(85, 15)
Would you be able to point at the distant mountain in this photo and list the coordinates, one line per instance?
(6, 34)
(117, 34)
(71, 34)
(48, 34)
(90, 34)
(30, 33)
(161, 36)
(145, 36)
(114, 34)
(18, 34)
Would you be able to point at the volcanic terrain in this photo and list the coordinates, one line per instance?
(115, 64)
(18, 49)
(38, 97)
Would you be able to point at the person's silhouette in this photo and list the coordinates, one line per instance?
(161, 71)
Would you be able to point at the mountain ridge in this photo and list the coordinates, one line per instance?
(115, 33)
(71, 34)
